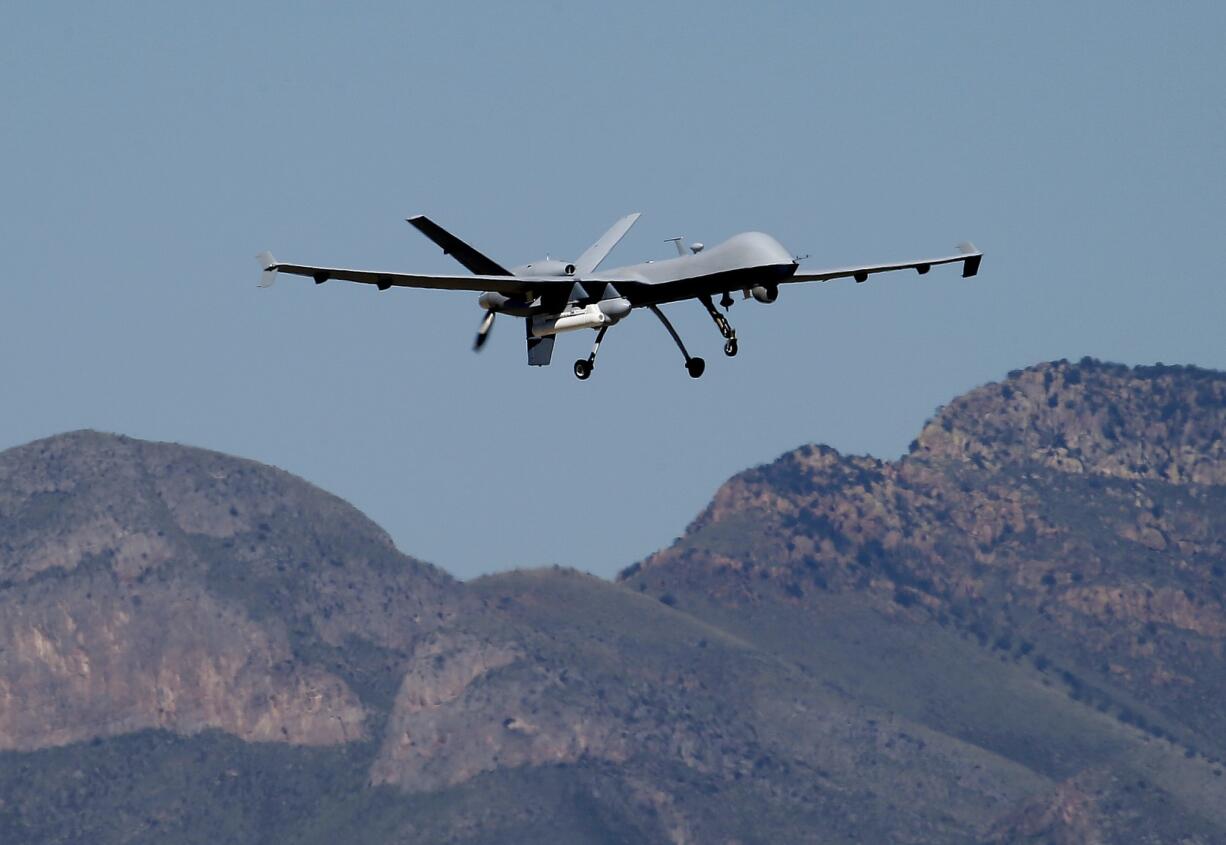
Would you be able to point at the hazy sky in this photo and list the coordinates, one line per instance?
(151, 150)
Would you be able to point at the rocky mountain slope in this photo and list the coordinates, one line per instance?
(1012, 634)
(1065, 526)
(146, 585)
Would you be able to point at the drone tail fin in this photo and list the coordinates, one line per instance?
(473, 261)
(540, 349)
(591, 258)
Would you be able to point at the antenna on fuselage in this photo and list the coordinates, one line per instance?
(679, 243)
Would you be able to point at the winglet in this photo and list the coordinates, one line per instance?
(973, 257)
(269, 266)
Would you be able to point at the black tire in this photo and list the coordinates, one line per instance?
(730, 348)
(582, 369)
(695, 367)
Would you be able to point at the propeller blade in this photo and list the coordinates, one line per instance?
(484, 331)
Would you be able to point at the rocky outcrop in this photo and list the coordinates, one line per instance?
(179, 660)
(463, 710)
(147, 585)
(1162, 423)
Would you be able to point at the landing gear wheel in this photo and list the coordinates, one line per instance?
(730, 348)
(583, 369)
(695, 367)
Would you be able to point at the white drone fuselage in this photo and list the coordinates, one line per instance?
(753, 262)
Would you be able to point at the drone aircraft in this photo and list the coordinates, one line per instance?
(555, 296)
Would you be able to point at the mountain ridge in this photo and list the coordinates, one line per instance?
(1013, 633)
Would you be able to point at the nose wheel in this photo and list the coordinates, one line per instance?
(721, 323)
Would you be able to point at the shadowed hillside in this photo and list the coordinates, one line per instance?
(1012, 634)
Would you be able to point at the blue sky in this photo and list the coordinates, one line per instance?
(150, 150)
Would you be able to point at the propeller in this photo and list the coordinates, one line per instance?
(584, 265)
(484, 332)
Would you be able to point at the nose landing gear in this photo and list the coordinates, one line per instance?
(721, 323)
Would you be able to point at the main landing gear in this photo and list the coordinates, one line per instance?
(583, 367)
(721, 323)
(694, 366)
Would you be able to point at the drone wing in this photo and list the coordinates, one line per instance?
(658, 293)
(967, 254)
(527, 287)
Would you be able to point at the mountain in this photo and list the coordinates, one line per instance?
(1041, 576)
(146, 585)
(1012, 634)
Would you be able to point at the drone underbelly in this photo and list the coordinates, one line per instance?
(596, 316)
